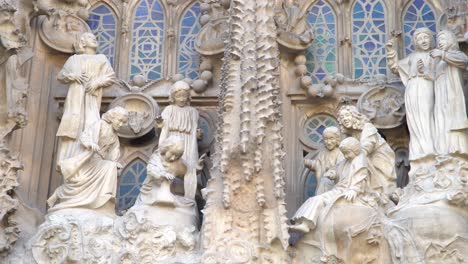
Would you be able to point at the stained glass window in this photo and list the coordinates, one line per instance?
(321, 56)
(369, 38)
(189, 59)
(418, 14)
(130, 182)
(146, 56)
(103, 24)
(315, 126)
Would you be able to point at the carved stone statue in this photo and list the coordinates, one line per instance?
(352, 176)
(90, 177)
(86, 73)
(326, 159)
(180, 119)
(163, 167)
(416, 72)
(380, 154)
(449, 107)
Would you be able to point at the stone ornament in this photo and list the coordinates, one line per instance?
(61, 32)
(294, 32)
(384, 106)
(142, 112)
(214, 29)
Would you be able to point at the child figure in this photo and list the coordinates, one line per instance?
(326, 159)
(353, 176)
(164, 165)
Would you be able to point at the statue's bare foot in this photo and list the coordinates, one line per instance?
(302, 227)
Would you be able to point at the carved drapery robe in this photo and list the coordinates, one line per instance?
(381, 158)
(183, 122)
(90, 178)
(449, 109)
(419, 102)
(324, 160)
(81, 109)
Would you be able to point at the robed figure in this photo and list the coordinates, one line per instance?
(416, 74)
(179, 119)
(87, 73)
(90, 177)
(449, 108)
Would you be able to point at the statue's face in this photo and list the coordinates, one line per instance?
(6, 16)
(346, 119)
(348, 154)
(181, 98)
(172, 155)
(119, 122)
(443, 42)
(423, 41)
(330, 140)
(90, 41)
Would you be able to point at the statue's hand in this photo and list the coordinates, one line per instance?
(201, 162)
(420, 66)
(159, 121)
(350, 195)
(390, 46)
(119, 165)
(93, 147)
(330, 174)
(437, 53)
(91, 87)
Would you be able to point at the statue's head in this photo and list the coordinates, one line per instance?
(172, 148)
(117, 116)
(423, 39)
(7, 11)
(180, 94)
(350, 118)
(331, 137)
(350, 147)
(87, 41)
(447, 40)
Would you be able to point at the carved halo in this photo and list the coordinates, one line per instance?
(384, 106)
(59, 33)
(143, 111)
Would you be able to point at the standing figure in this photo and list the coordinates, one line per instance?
(449, 108)
(90, 177)
(87, 73)
(380, 154)
(181, 120)
(416, 74)
(326, 159)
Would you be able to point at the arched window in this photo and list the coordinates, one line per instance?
(130, 183)
(189, 59)
(321, 56)
(310, 184)
(146, 56)
(314, 127)
(417, 14)
(369, 38)
(102, 22)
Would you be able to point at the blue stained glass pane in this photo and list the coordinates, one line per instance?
(315, 126)
(321, 56)
(418, 14)
(188, 57)
(311, 184)
(369, 37)
(102, 23)
(130, 183)
(146, 54)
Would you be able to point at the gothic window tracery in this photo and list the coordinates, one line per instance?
(369, 38)
(417, 14)
(146, 55)
(102, 22)
(321, 56)
(188, 58)
(130, 183)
